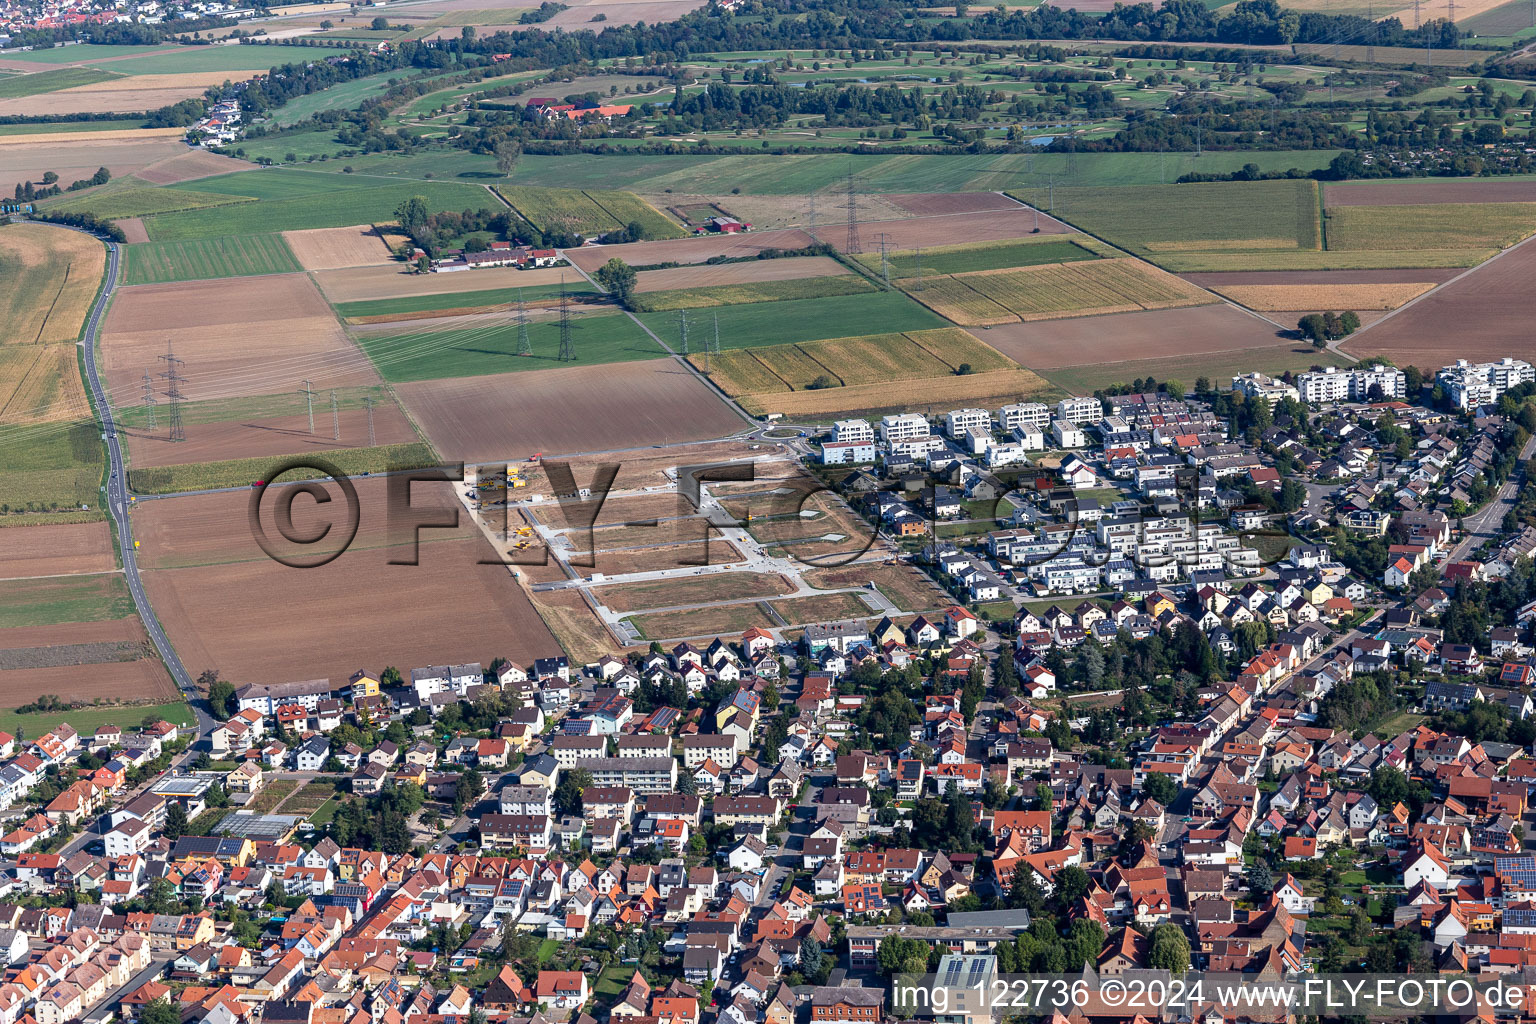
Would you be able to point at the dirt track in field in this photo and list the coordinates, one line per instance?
(578, 409)
(56, 550)
(1411, 193)
(1482, 316)
(229, 606)
(281, 435)
(1051, 344)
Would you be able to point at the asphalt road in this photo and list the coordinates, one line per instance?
(1485, 524)
(117, 503)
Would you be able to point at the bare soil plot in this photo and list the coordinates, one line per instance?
(573, 622)
(190, 165)
(716, 551)
(395, 280)
(333, 248)
(74, 160)
(933, 204)
(822, 608)
(1481, 316)
(613, 511)
(782, 211)
(133, 229)
(739, 273)
(695, 529)
(641, 468)
(963, 227)
(1217, 280)
(689, 250)
(238, 336)
(1121, 336)
(280, 435)
(1416, 193)
(582, 13)
(581, 409)
(907, 587)
(232, 607)
(145, 678)
(56, 550)
(699, 622)
(1321, 297)
(691, 590)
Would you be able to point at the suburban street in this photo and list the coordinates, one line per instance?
(1484, 524)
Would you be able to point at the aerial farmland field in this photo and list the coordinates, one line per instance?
(193, 260)
(794, 320)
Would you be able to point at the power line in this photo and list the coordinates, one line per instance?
(335, 417)
(717, 334)
(368, 404)
(853, 218)
(682, 328)
(919, 257)
(567, 348)
(524, 348)
(309, 404)
(812, 229)
(149, 400)
(885, 262)
(173, 381)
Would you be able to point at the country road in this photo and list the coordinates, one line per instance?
(117, 502)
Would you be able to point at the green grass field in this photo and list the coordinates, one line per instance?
(346, 96)
(234, 59)
(291, 200)
(965, 259)
(240, 472)
(60, 127)
(1248, 216)
(590, 212)
(80, 54)
(143, 201)
(472, 352)
(758, 291)
(159, 262)
(50, 465)
(61, 599)
(86, 720)
(251, 407)
(785, 323)
(37, 83)
(459, 300)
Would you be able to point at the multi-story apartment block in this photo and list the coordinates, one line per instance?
(903, 427)
(852, 431)
(1335, 385)
(1024, 414)
(1471, 384)
(1079, 410)
(959, 422)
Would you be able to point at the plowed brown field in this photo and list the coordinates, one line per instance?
(55, 550)
(1048, 344)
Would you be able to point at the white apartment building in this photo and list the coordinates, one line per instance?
(845, 453)
(917, 447)
(852, 431)
(1258, 385)
(1471, 384)
(1067, 435)
(1336, 385)
(959, 422)
(1079, 410)
(903, 426)
(1000, 456)
(1024, 414)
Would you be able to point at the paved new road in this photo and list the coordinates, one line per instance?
(117, 503)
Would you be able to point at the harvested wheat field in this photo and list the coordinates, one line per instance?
(690, 250)
(232, 607)
(577, 409)
(396, 280)
(52, 275)
(55, 550)
(1054, 290)
(1122, 336)
(334, 248)
(238, 336)
(189, 166)
(793, 269)
(1434, 330)
(998, 387)
(74, 160)
(100, 99)
(112, 135)
(940, 204)
(41, 384)
(1274, 298)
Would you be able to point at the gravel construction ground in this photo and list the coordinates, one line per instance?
(334, 248)
(74, 160)
(56, 550)
(231, 606)
(282, 435)
(738, 273)
(1049, 344)
(581, 409)
(394, 280)
(237, 336)
(1433, 331)
(642, 468)
(1414, 193)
